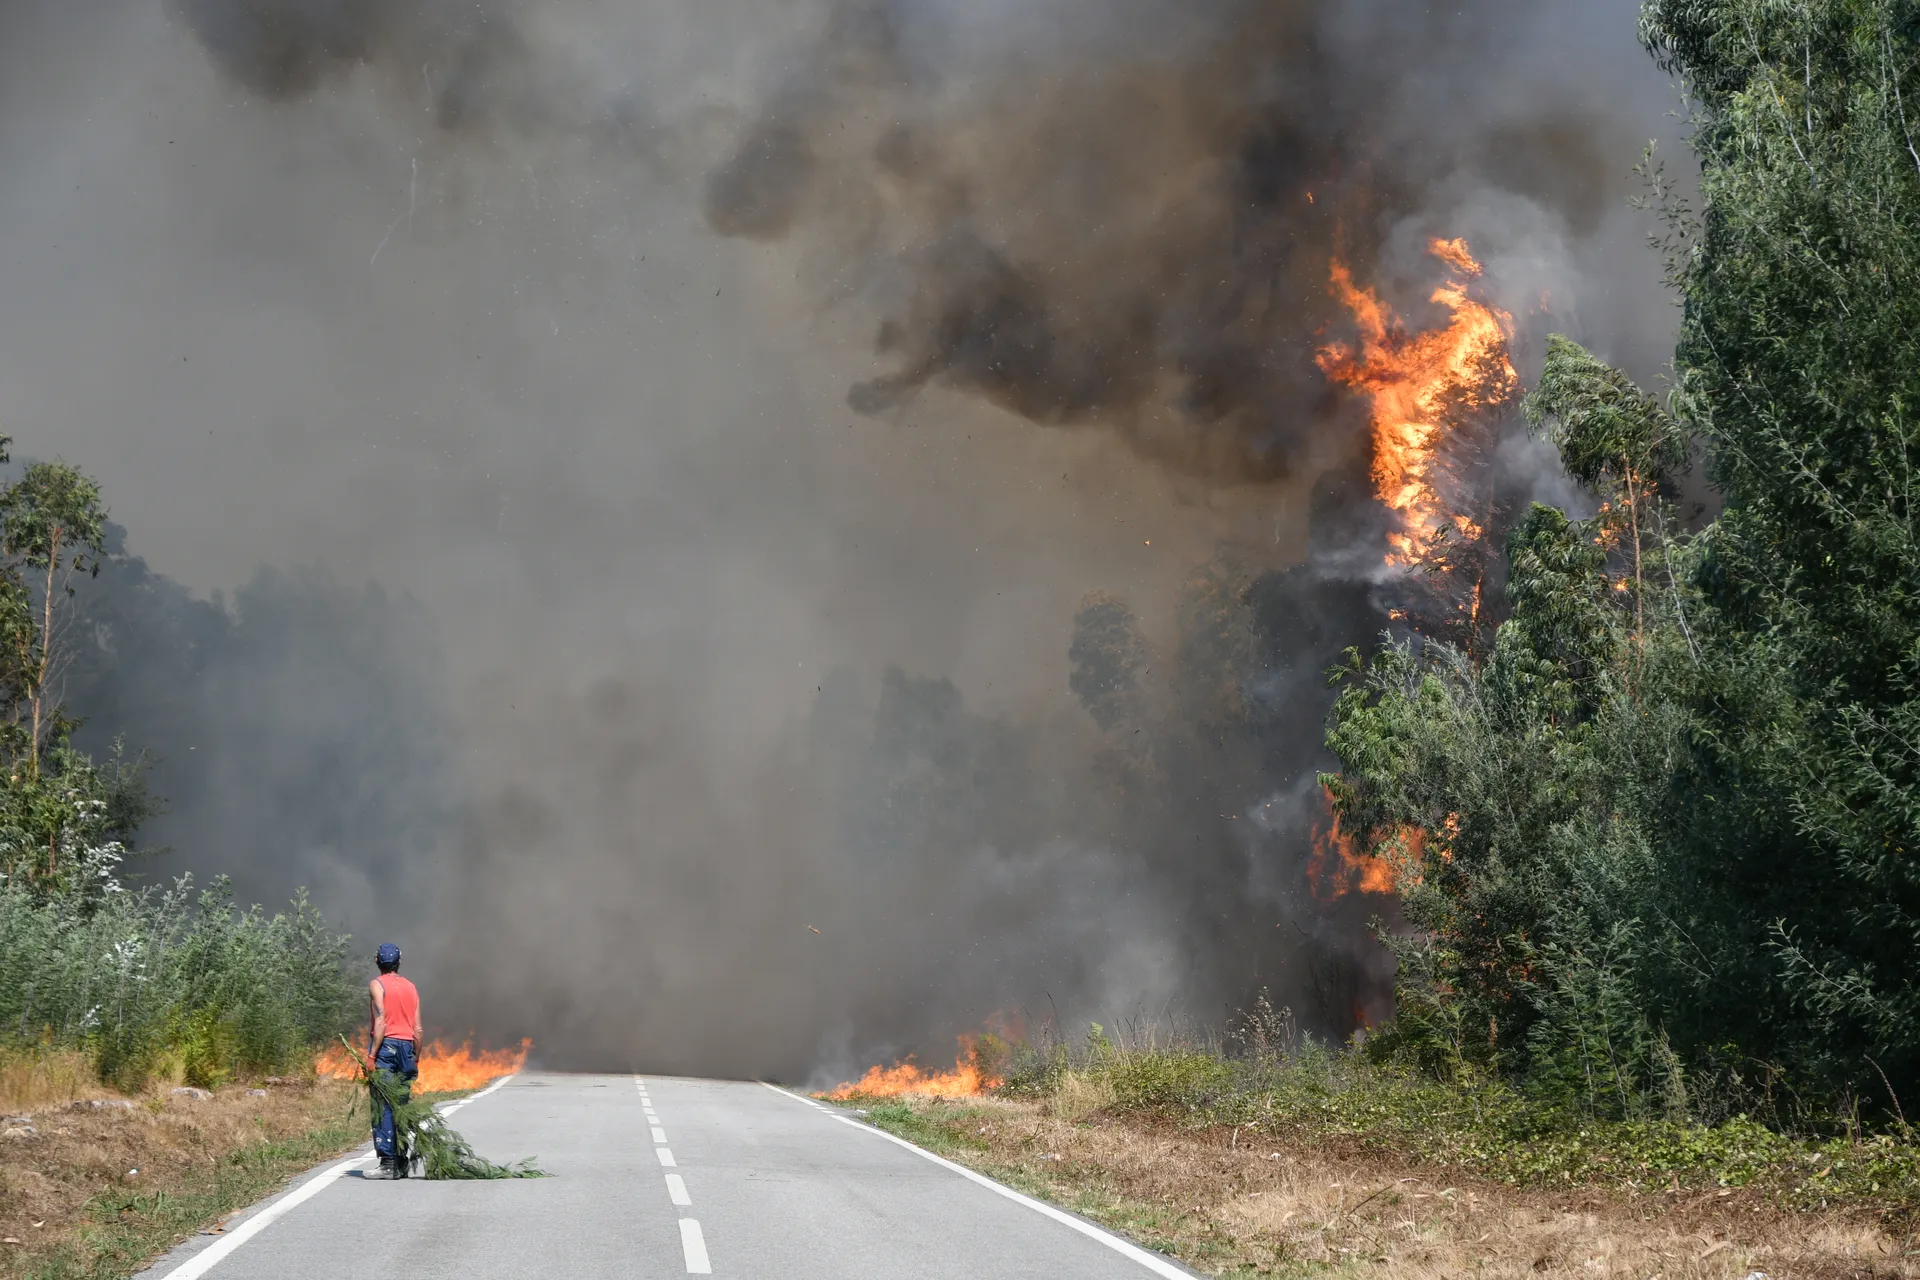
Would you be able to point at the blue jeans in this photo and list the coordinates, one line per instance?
(395, 1057)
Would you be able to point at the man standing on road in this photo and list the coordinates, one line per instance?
(392, 1043)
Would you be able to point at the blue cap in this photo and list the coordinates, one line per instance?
(387, 954)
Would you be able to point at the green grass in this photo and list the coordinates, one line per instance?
(1486, 1127)
(1475, 1125)
(1342, 1111)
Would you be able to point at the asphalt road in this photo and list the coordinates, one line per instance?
(656, 1178)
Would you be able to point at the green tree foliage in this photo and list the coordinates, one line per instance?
(1670, 820)
(63, 820)
(51, 527)
(1796, 363)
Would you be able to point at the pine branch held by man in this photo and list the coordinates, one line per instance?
(409, 1135)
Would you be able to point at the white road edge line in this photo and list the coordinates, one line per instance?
(204, 1261)
(452, 1107)
(694, 1245)
(677, 1191)
(1126, 1248)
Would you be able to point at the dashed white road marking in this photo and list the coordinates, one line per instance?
(694, 1245)
(1152, 1262)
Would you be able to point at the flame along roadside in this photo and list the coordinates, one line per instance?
(444, 1067)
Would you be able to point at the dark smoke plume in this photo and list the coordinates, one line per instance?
(470, 59)
(471, 64)
(539, 312)
(1135, 230)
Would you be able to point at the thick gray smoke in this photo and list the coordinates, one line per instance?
(298, 722)
(1125, 213)
(755, 678)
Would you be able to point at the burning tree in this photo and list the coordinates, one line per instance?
(1434, 398)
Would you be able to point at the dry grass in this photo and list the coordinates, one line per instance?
(1229, 1208)
(87, 1192)
(43, 1078)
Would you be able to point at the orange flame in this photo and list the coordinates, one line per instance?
(966, 1080)
(443, 1067)
(1417, 384)
(1336, 868)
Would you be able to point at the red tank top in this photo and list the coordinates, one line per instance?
(403, 1008)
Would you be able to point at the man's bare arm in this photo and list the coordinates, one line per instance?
(377, 1028)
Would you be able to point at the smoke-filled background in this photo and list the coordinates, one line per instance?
(754, 537)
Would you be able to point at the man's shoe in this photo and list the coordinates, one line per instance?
(388, 1170)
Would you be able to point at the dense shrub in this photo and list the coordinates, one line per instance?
(169, 983)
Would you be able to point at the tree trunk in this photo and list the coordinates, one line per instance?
(46, 655)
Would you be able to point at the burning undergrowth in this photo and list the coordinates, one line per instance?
(977, 1068)
(444, 1067)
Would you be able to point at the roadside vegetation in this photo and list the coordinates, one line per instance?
(132, 1019)
(167, 984)
(1272, 1155)
(1361, 1099)
(95, 1191)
